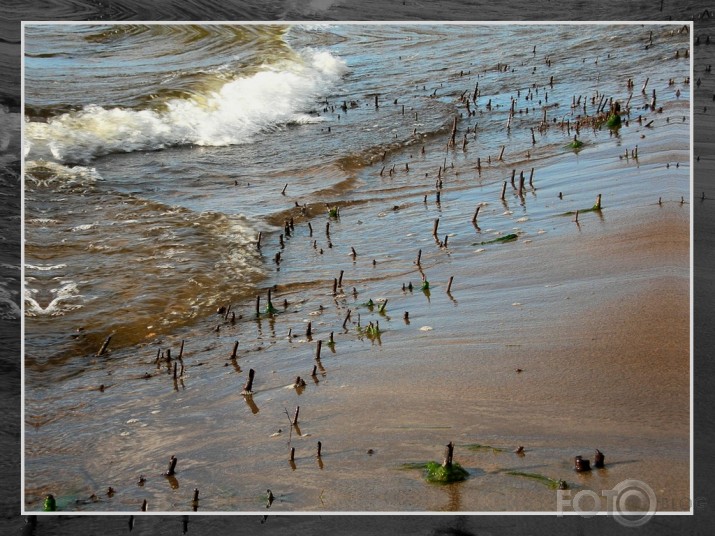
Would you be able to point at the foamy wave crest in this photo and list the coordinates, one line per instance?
(278, 95)
(58, 305)
(44, 174)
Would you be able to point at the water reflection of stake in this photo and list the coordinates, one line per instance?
(251, 404)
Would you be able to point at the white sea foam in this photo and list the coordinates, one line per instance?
(60, 303)
(278, 95)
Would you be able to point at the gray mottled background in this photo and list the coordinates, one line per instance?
(12, 12)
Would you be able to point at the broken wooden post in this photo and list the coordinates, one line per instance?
(317, 351)
(320, 448)
(295, 415)
(476, 213)
(449, 285)
(172, 466)
(434, 228)
(235, 348)
(248, 387)
(104, 345)
(448, 454)
(503, 191)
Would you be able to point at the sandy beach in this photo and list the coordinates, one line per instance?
(574, 336)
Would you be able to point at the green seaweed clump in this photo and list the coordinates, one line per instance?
(505, 238)
(613, 121)
(550, 482)
(372, 330)
(445, 474)
(425, 285)
(575, 144)
(334, 212)
(477, 446)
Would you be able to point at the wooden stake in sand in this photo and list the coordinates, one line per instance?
(347, 318)
(320, 448)
(172, 466)
(283, 192)
(448, 455)
(248, 387)
(434, 229)
(309, 330)
(419, 256)
(295, 415)
(503, 191)
(476, 213)
(235, 348)
(317, 350)
(103, 349)
(449, 285)
(501, 153)
(258, 305)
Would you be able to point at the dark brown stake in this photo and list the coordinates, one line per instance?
(283, 192)
(347, 318)
(335, 286)
(196, 495)
(235, 348)
(434, 229)
(320, 448)
(531, 177)
(295, 415)
(581, 465)
(172, 467)
(292, 454)
(310, 229)
(598, 459)
(448, 454)
(258, 305)
(503, 191)
(340, 279)
(449, 285)
(419, 256)
(308, 330)
(181, 350)
(258, 242)
(476, 213)
(317, 351)
(248, 387)
(144, 505)
(104, 345)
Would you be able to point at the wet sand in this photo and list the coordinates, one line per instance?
(594, 314)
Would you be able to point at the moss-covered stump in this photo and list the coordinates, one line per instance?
(441, 474)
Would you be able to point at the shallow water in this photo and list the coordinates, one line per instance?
(148, 236)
